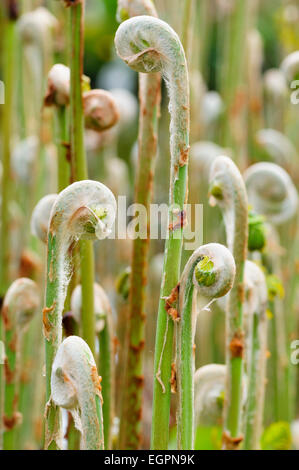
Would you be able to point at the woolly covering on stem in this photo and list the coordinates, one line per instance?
(211, 271)
(76, 386)
(84, 210)
(227, 190)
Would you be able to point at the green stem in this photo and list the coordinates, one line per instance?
(252, 434)
(130, 432)
(229, 192)
(232, 76)
(79, 165)
(62, 147)
(186, 36)
(211, 269)
(52, 318)
(106, 371)
(186, 368)
(9, 70)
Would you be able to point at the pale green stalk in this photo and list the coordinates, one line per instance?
(256, 356)
(7, 129)
(227, 190)
(211, 271)
(234, 26)
(62, 146)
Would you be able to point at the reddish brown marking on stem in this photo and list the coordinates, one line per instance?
(180, 223)
(49, 99)
(116, 345)
(12, 9)
(184, 155)
(13, 343)
(46, 323)
(173, 381)
(6, 321)
(68, 154)
(139, 381)
(241, 292)
(9, 374)
(255, 105)
(237, 345)
(231, 443)
(71, 3)
(11, 422)
(137, 348)
(96, 381)
(170, 302)
(239, 103)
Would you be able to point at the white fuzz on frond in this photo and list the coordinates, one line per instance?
(75, 384)
(40, 217)
(102, 306)
(21, 302)
(271, 192)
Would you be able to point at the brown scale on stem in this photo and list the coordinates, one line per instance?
(236, 345)
(170, 304)
(46, 323)
(173, 379)
(71, 3)
(231, 443)
(180, 223)
(12, 9)
(9, 374)
(11, 422)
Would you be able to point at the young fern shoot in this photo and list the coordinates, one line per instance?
(150, 45)
(58, 94)
(149, 99)
(20, 304)
(210, 271)
(271, 192)
(209, 384)
(76, 386)
(106, 366)
(84, 210)
(227, 189)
